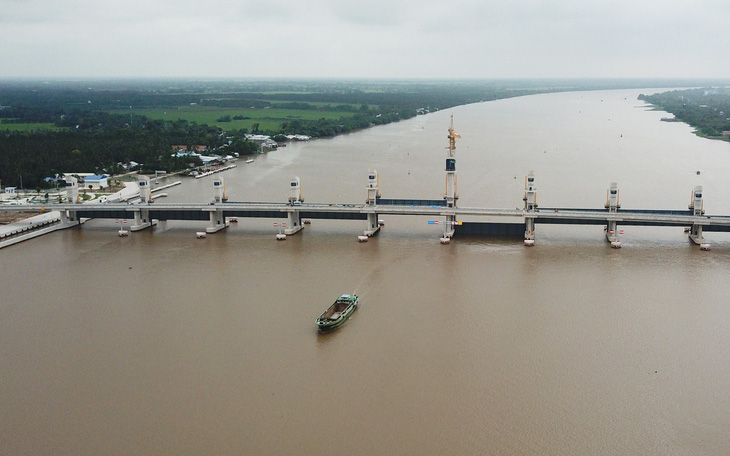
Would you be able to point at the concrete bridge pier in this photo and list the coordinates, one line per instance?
(373, 195)
(612, 234)
(295, 200)
(695, 235)
(68, 218)
(449, 226)
(217, 221)
(142, 220)
(529, 230)
(451, 195)
(294, 222)
(697, 208)
(530, 200)
(613, 205)
(373, 225)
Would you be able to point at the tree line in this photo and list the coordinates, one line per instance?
(707, 109)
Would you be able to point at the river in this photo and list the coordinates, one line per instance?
(161, 343)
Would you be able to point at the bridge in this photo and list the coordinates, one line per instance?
(218, 214)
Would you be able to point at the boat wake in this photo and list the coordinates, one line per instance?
(372, 278)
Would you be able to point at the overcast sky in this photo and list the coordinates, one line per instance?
(365, 39)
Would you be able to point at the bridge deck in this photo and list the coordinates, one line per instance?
(201, 212)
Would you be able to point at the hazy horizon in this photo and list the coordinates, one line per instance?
(391, 40)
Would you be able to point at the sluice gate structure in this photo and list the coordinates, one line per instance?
(456, 220)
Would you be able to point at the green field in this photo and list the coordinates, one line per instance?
(268, 119)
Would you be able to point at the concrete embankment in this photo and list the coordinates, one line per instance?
(28, 228)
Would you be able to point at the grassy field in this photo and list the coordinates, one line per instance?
(268, 119)
(29, 127)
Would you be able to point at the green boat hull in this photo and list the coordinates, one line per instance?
(337, 314)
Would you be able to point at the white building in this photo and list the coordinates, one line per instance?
(96, 181)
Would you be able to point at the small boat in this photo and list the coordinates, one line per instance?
(250, 160)
(337, 314)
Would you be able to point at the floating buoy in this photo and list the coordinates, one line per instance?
(446, 240)
(306, 221)
(704, 246)
(381, 222)
(362, 239)
(616, 245)
(123, 233)
(200, 234)
(281, 237)
(529, 242)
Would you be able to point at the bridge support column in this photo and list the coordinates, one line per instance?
(451, 196)
(141, 220)
(217, 221)
(373, 195)
(530, 200)
(68, 218)
(695, 235)
(612, 234)
(450, 226)
(697, 208)
(613, 205)
(373, 225)
(529, 230)
(294, 222)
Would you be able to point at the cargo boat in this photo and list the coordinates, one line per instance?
(337, 314)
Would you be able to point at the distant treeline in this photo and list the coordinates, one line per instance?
(707, 110)
(52, 103)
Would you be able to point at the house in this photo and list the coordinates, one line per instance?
(96, 181)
